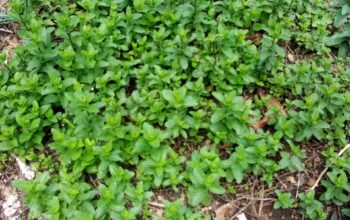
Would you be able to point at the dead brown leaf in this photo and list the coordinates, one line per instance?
(220, 213)
(335, 70)
(311, 182)
(9, 43)
(255, 37)
(225, 145)
(273, 102)
(261, 123)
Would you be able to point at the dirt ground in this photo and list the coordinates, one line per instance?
(8, 37)
(11, 207)
(3, 5)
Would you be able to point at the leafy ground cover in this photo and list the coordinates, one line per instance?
(196, 109)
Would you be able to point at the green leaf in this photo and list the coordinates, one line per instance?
(217, 189)
(34, 63)
(219, 96)
(340, 19)
(185, 10)
(345, 9)
(346, 212)
(338, 38)
(197, 177)
(323, 125)
(229, 53)
(238, 175)
(35, 123)
(218, 115)
(276, 205)
(54, 205)
(25, 136)
(343, 50)
(8, 145)
(197, 196)
(168, 95)
(329, 194)
(190, 101)
(297, 163)
(342, 197)
(23, 185)
(183, 62)
(188, 51)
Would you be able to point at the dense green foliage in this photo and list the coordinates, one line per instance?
(342, 38)
(112, 100)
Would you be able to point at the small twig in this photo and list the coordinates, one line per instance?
(344, 149)
(270, 189)
(260, 199)
(253, 203)
(327, 167)
(6, 31)
(261, 205)
(246, 212)
(282, 183)
(156, 204)
(298, 185)
(241, 210)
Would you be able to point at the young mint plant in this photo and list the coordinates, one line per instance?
(284, 200)
(311, 207)
(204, 171)
(115, 103)
(337, 187)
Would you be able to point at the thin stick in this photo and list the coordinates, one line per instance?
(260, 199)
(298, 185)
(261, 202)
(241, 210)
(282, 183)
(326, 169)
(156, 204)
(6, 31)
(344, 149)
(247, 212)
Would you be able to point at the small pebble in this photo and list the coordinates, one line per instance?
(291, 179)
(291, 58)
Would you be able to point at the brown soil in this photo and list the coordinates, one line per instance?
(8, 32)
(3, 5)
(7, 175)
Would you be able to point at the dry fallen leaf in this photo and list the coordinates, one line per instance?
(272, 103)
(9, 43)
(225, 145)
(255, 37)
(311, 182)
(335, 70)
(261, 123)
(220, 213)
